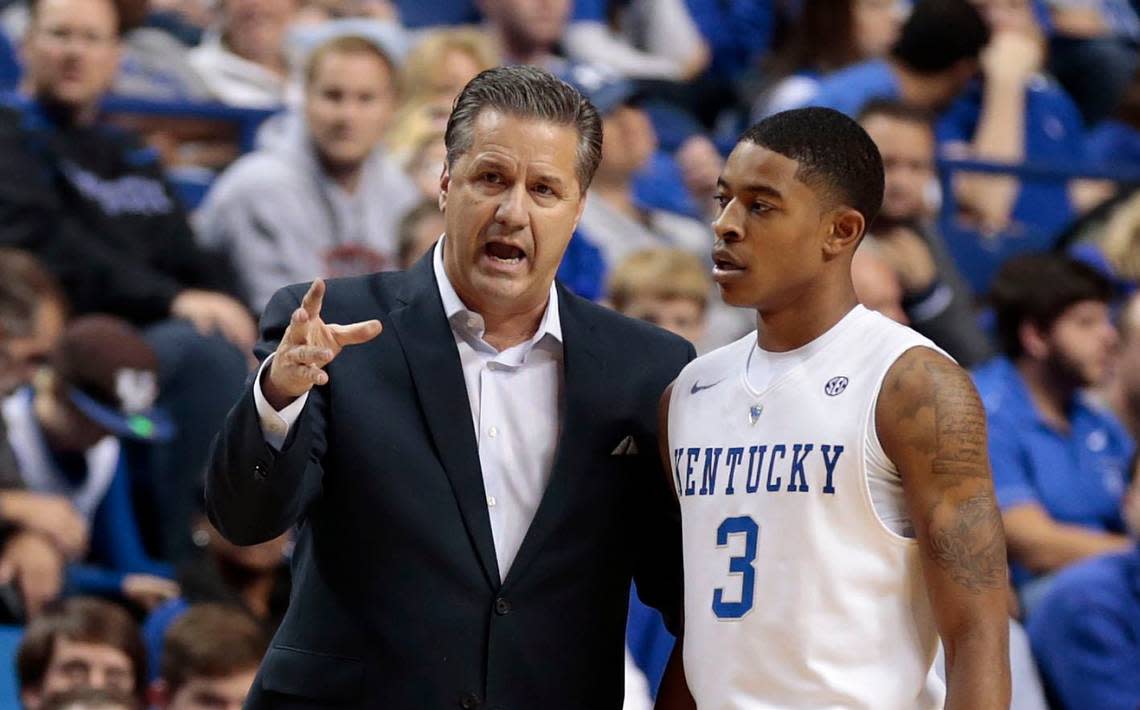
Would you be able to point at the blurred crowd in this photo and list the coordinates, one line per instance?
(168, 165)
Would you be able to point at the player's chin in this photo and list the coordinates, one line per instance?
(733, 295)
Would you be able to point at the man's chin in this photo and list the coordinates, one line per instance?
(732, 297)
(343, 157)
(68, 97)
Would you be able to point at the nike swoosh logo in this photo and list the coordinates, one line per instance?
(697, 387)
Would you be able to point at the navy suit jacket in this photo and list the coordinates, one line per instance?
(397, 601)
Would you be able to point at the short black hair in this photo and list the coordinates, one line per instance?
(1037, 288)
(940, 33)
(834, 153)
(897, 110)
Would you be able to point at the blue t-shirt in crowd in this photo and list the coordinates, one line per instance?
(660, 186)
(739, 32)
(1086, 633)
(417, 14)
(595, 10)
(1076, 476)
(1113, 143)
(1054, 134)
(10, 70)
(583, 268)
(849, 90)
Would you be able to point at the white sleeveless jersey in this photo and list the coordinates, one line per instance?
(796, 594)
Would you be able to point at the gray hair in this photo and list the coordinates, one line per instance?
(527, 92)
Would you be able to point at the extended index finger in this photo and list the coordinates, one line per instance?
(313, 299)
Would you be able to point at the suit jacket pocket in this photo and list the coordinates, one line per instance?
(311, 674)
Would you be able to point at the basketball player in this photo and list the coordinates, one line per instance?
(837, 505)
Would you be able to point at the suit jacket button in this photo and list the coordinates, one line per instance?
(259, 471)
(469, 701)
(502, 607)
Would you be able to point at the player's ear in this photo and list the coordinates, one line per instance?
(845, 228)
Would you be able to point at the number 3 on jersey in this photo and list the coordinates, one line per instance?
(739, 565)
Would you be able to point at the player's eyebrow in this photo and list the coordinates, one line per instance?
(754, 189)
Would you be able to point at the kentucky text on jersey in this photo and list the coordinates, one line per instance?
(792, 468)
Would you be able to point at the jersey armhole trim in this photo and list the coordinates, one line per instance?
(870, 429)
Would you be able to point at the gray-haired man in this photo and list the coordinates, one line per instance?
(476, 485)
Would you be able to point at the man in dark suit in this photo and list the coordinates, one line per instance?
(477, 486)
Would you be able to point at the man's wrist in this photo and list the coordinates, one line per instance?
(273, 396)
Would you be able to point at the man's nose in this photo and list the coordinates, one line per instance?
(512, 210)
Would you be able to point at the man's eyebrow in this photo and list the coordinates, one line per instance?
(753, 188)
(550, 178)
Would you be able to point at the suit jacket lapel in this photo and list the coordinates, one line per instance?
(583, 388)
(428, 343)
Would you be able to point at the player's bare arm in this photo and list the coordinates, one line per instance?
(674, 691)
(932, 426)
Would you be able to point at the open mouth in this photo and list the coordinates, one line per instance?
(723, 262)
(504, 253)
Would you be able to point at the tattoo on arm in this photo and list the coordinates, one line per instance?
(941, 425)
(971, 546)
(960, 425)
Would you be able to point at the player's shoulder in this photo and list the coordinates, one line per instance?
(880, 343)
(922, 375)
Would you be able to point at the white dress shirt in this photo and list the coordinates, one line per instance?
(515, 398)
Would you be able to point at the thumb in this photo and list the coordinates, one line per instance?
(356, 333)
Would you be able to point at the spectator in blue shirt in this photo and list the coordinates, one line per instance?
(737, 31)
(654, 39)
(528, 32)
(1116, 141)
(67, 432)
(1059, 459)
(1092, 51)
(1015, 114)
(932, 63)
(417, 14)
(826, 36)
(1086, 632)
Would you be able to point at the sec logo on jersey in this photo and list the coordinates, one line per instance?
(835, 386)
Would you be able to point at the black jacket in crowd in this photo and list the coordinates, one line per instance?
(92, 204)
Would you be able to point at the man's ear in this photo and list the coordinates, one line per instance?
(1034, 342)
(444, 183)
(581, 208)
(31, 698)
(846, 228)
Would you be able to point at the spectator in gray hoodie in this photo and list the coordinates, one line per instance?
(323, 198)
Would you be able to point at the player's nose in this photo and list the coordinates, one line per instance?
(726, 227)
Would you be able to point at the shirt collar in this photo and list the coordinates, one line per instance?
(469, 322)
(1016, 395)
